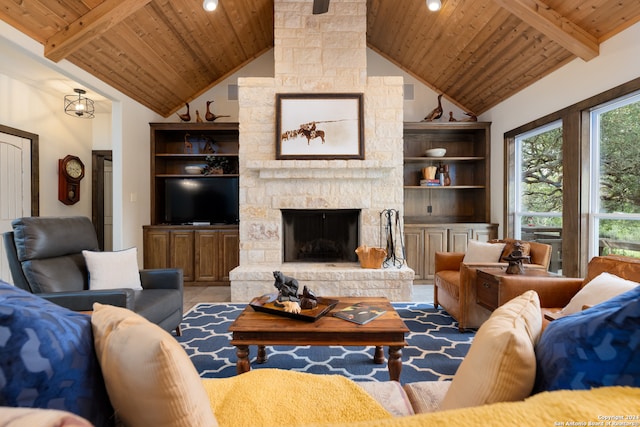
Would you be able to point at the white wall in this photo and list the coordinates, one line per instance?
(618, 62)
(262, 66)
(425, 99)
(29, 109)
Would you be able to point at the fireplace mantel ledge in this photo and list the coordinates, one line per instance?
(314, 169)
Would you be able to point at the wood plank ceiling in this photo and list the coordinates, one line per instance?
(163, 53)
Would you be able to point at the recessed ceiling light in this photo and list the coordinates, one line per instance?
(210, 5)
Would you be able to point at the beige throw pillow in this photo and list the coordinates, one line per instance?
(501, 364)
(600, 289)
(111, 270)
(149, 377)
(483, 252)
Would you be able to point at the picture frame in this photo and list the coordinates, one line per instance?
(325, 126)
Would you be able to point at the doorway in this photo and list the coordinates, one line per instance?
(19, 182)
(102, 197)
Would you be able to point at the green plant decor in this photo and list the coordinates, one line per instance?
(217, 165)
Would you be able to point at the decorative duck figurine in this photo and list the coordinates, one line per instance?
(472, 117)
(209, 115)
(198, 118)
(186, 117)
(451, 118)
(436, 113)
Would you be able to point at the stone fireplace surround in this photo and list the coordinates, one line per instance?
(318, 54)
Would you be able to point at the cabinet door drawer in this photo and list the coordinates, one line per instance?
(487, 292)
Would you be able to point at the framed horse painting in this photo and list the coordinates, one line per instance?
(319, 126)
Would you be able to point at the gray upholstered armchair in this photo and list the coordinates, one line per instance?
(45, 258)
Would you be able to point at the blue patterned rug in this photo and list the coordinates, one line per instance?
(435, 347)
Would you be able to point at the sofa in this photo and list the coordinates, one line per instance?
(115, 367)
(455, 276)
(557, 292)
(58, 258)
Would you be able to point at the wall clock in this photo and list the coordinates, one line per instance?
(70, 172)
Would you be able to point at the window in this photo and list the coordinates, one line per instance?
(587, 184)
(614, 223)
(538, 188)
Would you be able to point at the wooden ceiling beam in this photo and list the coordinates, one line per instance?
(83, 30)
(549, 22)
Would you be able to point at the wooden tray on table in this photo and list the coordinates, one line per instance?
(265, 303)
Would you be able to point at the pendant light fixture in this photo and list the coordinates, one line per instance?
(210, 5)
(78, 105)
(434, 5)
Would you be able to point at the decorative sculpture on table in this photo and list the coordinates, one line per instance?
(515, 259)
(308, 299)
(288, 297)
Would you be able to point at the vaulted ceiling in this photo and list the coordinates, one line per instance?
(163, 53)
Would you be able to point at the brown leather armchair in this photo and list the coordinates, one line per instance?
(556, 292)
(454, 283)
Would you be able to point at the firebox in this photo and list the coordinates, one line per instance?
(325, 235)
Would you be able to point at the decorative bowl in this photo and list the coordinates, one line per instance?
(435, 152)
(371, 257)
(193, 170)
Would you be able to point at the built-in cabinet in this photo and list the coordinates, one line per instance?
(445, 217)
(422, 241)
(176, 146)
(206, 253)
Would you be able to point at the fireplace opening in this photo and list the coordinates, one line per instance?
(311, 235)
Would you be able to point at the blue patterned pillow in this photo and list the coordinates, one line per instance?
(47, 358)
(596, 347)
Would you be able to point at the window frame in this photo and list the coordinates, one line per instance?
(518, 213)
(595, 214)
(576, 154)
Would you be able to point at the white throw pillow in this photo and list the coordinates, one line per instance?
(600, 289)
(111, 270)
(483, 252)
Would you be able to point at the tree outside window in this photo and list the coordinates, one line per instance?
(539, 189)
(615, 201)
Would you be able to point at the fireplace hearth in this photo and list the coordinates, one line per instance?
(311, 235)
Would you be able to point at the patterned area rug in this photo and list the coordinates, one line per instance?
(435, 347)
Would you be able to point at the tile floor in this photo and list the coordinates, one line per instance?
(196, 294)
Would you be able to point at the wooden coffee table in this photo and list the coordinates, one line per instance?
(262, 329)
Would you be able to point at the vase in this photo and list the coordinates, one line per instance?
(370, 257)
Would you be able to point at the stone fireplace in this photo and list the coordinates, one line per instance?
(318, 54)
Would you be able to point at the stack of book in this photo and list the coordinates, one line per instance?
(360, 313)
(430, 182)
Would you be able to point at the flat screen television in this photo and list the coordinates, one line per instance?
(201, 200)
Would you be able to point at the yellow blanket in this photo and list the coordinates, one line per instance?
(607, 406)
(274, 397)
